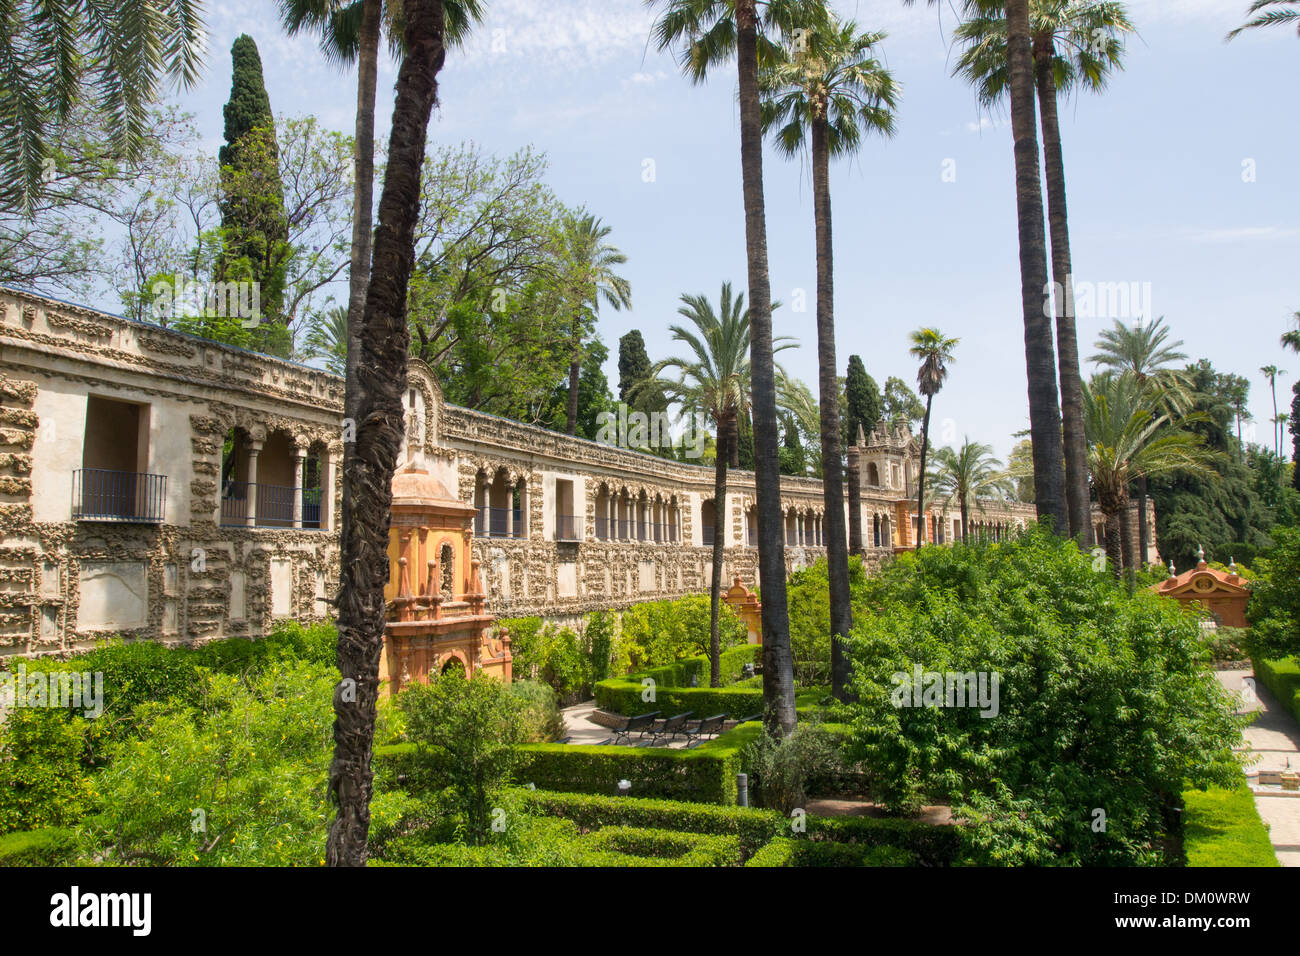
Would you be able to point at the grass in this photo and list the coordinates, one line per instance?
(1222, 828)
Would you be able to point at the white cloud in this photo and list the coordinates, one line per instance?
(1240, 234)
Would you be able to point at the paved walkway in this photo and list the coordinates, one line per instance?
(1274, 738)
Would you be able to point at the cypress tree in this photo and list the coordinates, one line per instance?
(862, 402)
(633, 363)
(254, 229)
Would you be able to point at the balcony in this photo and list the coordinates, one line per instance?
(274, 505)
(568, 528)
(499, 523)
(120, 496)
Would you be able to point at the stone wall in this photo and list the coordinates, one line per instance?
(193, 576)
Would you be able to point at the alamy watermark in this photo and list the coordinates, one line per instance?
(62, 689)
(179, 296)
(659, 430)
(924, 688)
(1098, 300)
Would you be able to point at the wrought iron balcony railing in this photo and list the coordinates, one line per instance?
(99, 494)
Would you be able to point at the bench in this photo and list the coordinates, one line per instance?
(708, 727)
(641, 724)
(673, 726)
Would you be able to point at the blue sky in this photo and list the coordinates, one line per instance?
(1154, 169)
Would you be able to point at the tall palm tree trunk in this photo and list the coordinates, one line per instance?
(1114, 547)
(381, 381)
(837, 553)
(1067, 341)
(1144, 534)
(965, 517)
(575, 374)
(1040, 357)
(853, 477)
(920, 484)
(778, 665)
(363, 197)
(719, 543)
(1126, 538)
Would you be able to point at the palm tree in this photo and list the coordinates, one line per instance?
(1074, 44)
(1291, 339)
(328, 339)
(350, 30)
(56, 55)
(935, 351)
(830, 94)
(714, 380)
(1271, 372)
(381, 383)
(1144, 350)
(589, 276)
(970, 473)
(1131, 436)
(708, 33)
(1269, 18)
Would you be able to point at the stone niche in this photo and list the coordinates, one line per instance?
(566, 579)
(114, 595)
(281, 587)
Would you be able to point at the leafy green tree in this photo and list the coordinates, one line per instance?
(935, 350)
(968, 475)
(863, 402)
(593, 395)
(469, 729)
(1074, 45)
(901, 406)
(1020, 467)
(57, 56)
(328, 339)
(1274, 609)
(1157, 721)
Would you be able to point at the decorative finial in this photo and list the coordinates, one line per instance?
(1232, 565)
(1200, 554)
(1172, 572)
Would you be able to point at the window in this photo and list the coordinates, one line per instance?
(113, 483)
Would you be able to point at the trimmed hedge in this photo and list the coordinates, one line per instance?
(1283, 679)
(666, 847)
(703, 774)
(673, 690)
(930, 844)
(753, 828)
(1223, 828)
(49, 847)
(788, 851)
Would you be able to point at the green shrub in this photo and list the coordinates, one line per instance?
(44, 777)
(48, 847)
(789, 851)
(467, 731)
(238, 781)
(780, 768)
(1227, 644)
(599, 635)
(661, 632)
(752, 828)
(1105, 701)
(684, 685)
(705, 774)
(1283, 679)
(1221, 827)
(808, 593)
(1274, 608)
(540, 711)
(681, 849)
